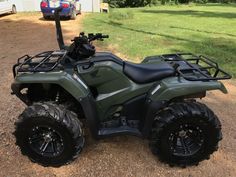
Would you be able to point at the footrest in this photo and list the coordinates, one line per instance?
(118, 131)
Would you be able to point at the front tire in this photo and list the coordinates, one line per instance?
(185, 133)
(49, 134)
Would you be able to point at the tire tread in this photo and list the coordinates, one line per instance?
(173, 113)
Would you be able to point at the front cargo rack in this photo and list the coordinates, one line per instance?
(196, 68)
(42, 62)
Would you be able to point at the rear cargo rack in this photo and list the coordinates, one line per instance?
(195, 68)
(42, 62)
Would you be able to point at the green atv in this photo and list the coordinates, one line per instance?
(154, 99)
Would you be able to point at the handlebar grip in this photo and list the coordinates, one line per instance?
(105, 36)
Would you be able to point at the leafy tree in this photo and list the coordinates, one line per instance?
(141, 3)
(128, 3)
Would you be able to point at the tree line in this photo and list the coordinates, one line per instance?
(142, 3)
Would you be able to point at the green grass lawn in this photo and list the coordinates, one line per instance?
(202, 29)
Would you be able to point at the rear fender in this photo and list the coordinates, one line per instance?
(170, 88)
(175, 87)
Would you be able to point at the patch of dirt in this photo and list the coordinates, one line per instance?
(119, 156)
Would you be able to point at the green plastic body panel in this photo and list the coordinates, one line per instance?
(174, 87)
(64, 79)
(113, 87)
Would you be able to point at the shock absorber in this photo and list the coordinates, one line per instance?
(57, 97)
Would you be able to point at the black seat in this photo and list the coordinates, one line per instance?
(147, 72)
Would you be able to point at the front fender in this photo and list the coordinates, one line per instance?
(71, 83)
(174, 87)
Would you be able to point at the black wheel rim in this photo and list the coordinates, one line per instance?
(187, 140)
(46, 141)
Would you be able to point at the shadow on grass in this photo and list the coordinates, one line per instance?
(193, 13)
(202, 31)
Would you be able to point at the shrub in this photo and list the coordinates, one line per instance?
(154, 2)
(121, 15)
(128, 3)
(115, 3)
(141, 3)
(201, 1)
(184, 1)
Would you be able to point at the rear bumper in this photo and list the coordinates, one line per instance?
(50, 12)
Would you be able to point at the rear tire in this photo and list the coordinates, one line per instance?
(49, 134)
(14, 11)
(185, 133)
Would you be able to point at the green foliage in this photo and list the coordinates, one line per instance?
(128, 3)
(163, 2)
(137, 3)
(155, 2)
(121, 15)
(201, 1)
(115, 3)
(176, 2)
(142, 3)
(222, 1)
(184, 1)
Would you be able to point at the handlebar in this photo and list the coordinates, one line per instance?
(105, 36)
(98, 36)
